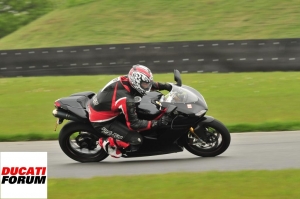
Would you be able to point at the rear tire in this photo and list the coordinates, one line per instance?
(83, 149)
(214, 130)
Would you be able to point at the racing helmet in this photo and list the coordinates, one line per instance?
(140, 78)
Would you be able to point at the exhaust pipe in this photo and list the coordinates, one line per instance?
(65, 115)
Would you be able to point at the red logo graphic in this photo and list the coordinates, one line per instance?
(23, 175)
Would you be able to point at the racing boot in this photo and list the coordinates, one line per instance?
(112, 146)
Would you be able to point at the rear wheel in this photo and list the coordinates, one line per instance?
(214, 140)
(80, 142)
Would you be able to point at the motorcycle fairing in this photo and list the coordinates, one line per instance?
(77, 103)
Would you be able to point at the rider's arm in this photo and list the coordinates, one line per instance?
(161, 86)
(132, 121)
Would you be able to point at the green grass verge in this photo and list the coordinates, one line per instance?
(29, 137)
(131, 21)
(242, 101)
(234, 185)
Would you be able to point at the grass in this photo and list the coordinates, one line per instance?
(283, 184)
(242, 101)
(76, 22)
(63, 4)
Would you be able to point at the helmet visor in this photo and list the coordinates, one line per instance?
(146, 85)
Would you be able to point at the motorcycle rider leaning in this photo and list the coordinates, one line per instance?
(117, 97)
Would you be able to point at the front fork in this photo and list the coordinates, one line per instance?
(205, 119)
(195, 135)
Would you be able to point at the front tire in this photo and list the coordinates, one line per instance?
(215, 139)
(79, 141)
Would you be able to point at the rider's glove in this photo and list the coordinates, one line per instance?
(162, 86)
(163, 121)
(168, 87)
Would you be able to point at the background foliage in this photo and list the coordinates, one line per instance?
(17, 13)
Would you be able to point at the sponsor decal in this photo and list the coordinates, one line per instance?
(111, 134)
(25, 172)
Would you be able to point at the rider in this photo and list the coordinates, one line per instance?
(117, 97)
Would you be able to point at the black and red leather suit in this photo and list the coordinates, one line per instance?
(115, 98)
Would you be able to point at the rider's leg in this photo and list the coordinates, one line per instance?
(121, 132)
(122, 137)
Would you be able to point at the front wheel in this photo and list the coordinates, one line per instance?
(212, 139)
(80, 142)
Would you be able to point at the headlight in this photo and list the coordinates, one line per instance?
(200, 113)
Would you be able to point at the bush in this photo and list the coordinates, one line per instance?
(17, 13)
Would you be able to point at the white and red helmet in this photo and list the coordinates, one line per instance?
(140, 78)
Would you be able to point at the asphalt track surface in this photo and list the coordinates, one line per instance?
(248, 151)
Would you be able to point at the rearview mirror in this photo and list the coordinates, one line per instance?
(177, 77)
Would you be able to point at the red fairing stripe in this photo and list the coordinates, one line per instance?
(161, 114)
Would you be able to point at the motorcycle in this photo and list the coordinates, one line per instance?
(190, 128)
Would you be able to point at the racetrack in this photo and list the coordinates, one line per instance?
(248, 151)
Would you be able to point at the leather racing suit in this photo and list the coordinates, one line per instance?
(115, 98)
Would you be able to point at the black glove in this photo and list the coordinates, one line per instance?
(163, 121)
(168, 87)
(162, 86)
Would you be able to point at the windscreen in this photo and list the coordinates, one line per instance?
(180, 95)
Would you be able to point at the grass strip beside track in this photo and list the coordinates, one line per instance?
(234, 185)
(242, 101)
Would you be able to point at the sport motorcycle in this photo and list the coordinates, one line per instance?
(189, 127)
